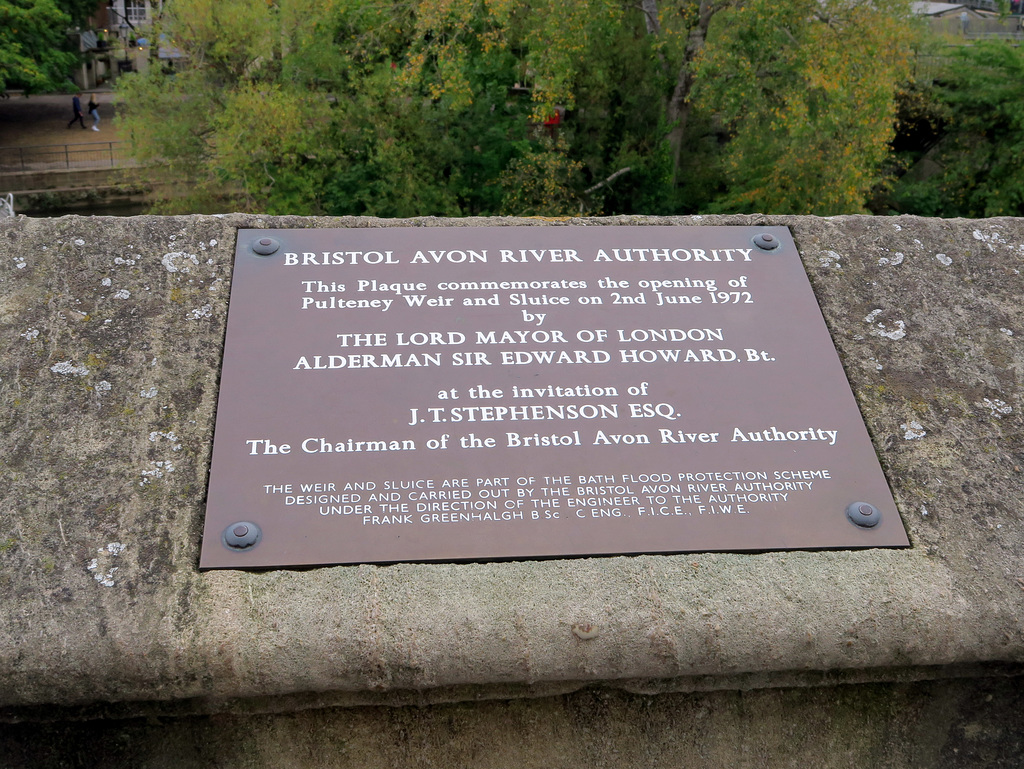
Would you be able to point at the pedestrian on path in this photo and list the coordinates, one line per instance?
(94, 110)
(76, 105)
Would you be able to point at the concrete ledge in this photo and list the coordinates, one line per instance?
(112, 332)
(935, 724)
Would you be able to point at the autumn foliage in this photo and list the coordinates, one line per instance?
(465, 107)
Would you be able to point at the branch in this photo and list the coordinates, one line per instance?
(607, 181)
(123, 16)
(650, 11)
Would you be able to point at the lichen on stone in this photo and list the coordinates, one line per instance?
(67, 368)
(913, 430)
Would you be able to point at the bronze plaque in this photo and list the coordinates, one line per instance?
(441, 394)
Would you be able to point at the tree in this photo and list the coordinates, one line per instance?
(541, 182)
(696, 20)
(974, 168)
(448, 107)
(303, 109)
(33, 53)
(224, 127)
(807, 90)
(78, 11)
(344, 107)
(568, 50)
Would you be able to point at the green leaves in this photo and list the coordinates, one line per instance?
(981, 173)
(440, 106)
(33, 45)
(807, 90)
(542, 182)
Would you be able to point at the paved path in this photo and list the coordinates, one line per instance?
(39, 120)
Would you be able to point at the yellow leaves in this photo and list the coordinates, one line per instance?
(555, 36)
(442, 72)
(413, 69)
(542, 183)
(230, 33)
(262, 124)
(453, 87)
(491, 40)
(812, 102)
(444, 30)
(502, 9)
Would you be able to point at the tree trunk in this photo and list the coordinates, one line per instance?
(650, 9)
(677, 112)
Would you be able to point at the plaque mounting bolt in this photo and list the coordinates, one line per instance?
(243, 535)
(265, 246)
(766, 241)
(864, 515)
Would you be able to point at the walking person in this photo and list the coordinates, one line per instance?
(94, 110)
(76, 105)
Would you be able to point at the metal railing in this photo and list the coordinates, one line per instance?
(63, 157)
(1017, 35)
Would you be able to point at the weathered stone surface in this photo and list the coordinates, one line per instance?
(927, 725)
(111, 334)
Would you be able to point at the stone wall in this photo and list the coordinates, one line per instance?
(112, 332)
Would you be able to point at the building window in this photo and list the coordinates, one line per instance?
(135, 11)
